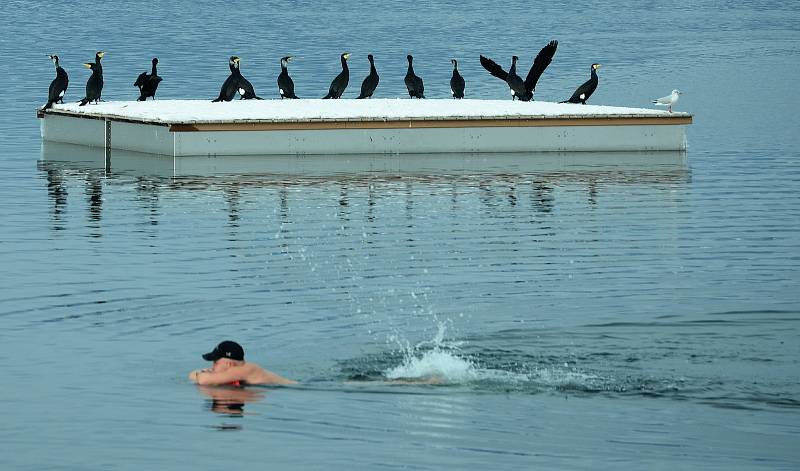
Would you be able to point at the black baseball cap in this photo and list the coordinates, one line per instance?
(226, 349)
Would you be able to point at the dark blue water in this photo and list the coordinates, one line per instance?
(582, 310)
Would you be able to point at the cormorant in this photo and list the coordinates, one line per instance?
(456, 81)
(370, 83)
(58, 86)
(585, 91)
(340, 82)
(416, 89)
(94, 86)
(231, 84)
(668, 100)
(148, 84)
(285, 83)
(523, 90)
(244, 87)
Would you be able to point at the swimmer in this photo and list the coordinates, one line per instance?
(230, 369)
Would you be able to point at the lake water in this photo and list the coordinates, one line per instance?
(634, 311)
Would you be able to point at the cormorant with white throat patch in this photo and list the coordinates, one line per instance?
(231, 84)
(339, 84)
(586, 89)
(94, 86)
(285, 83)
(245, 88)
(58, 87)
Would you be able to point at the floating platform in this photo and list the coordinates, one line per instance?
(378, 126)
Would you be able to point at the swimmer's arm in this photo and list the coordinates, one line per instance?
(268, 377)
(215, 378)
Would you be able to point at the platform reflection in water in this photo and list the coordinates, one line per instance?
(569, 166)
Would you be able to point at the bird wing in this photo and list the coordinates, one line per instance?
(140, 80)
(664, 100)
(493, 68)
(541, 62)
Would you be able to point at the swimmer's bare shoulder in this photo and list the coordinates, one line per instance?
(255, 374)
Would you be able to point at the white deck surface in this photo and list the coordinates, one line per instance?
(203, 111)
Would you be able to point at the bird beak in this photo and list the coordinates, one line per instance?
(88, 66)
(236, 59)
(346, 55)
(101, 54)
(290, 59)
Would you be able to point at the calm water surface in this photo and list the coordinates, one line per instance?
(584, 311)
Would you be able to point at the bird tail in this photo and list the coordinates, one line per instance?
(565, 101)
(216, 100)
(329, 95)
(84, 101)
(48, 105)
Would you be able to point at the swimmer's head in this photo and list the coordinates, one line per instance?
(227, 349)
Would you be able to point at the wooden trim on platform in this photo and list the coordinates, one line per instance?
(413, 123)
(429, 124)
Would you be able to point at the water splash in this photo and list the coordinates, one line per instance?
(434, 360)
(434, 365)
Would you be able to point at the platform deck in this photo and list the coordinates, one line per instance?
(194, 127)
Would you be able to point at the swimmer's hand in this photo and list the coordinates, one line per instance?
(193, 374)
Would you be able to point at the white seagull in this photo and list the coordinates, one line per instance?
(668, 100)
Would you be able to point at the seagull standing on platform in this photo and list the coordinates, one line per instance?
(668, 100)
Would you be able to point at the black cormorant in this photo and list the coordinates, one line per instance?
(523, 90)
(340, 82)
(370, 83)
(285, 83)
(456, 81)
(148, 84)
(416, 89)
(585, 91)
(231, 84)
(542, 60)
(245, 88)
(58, 87)
(94, 86)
